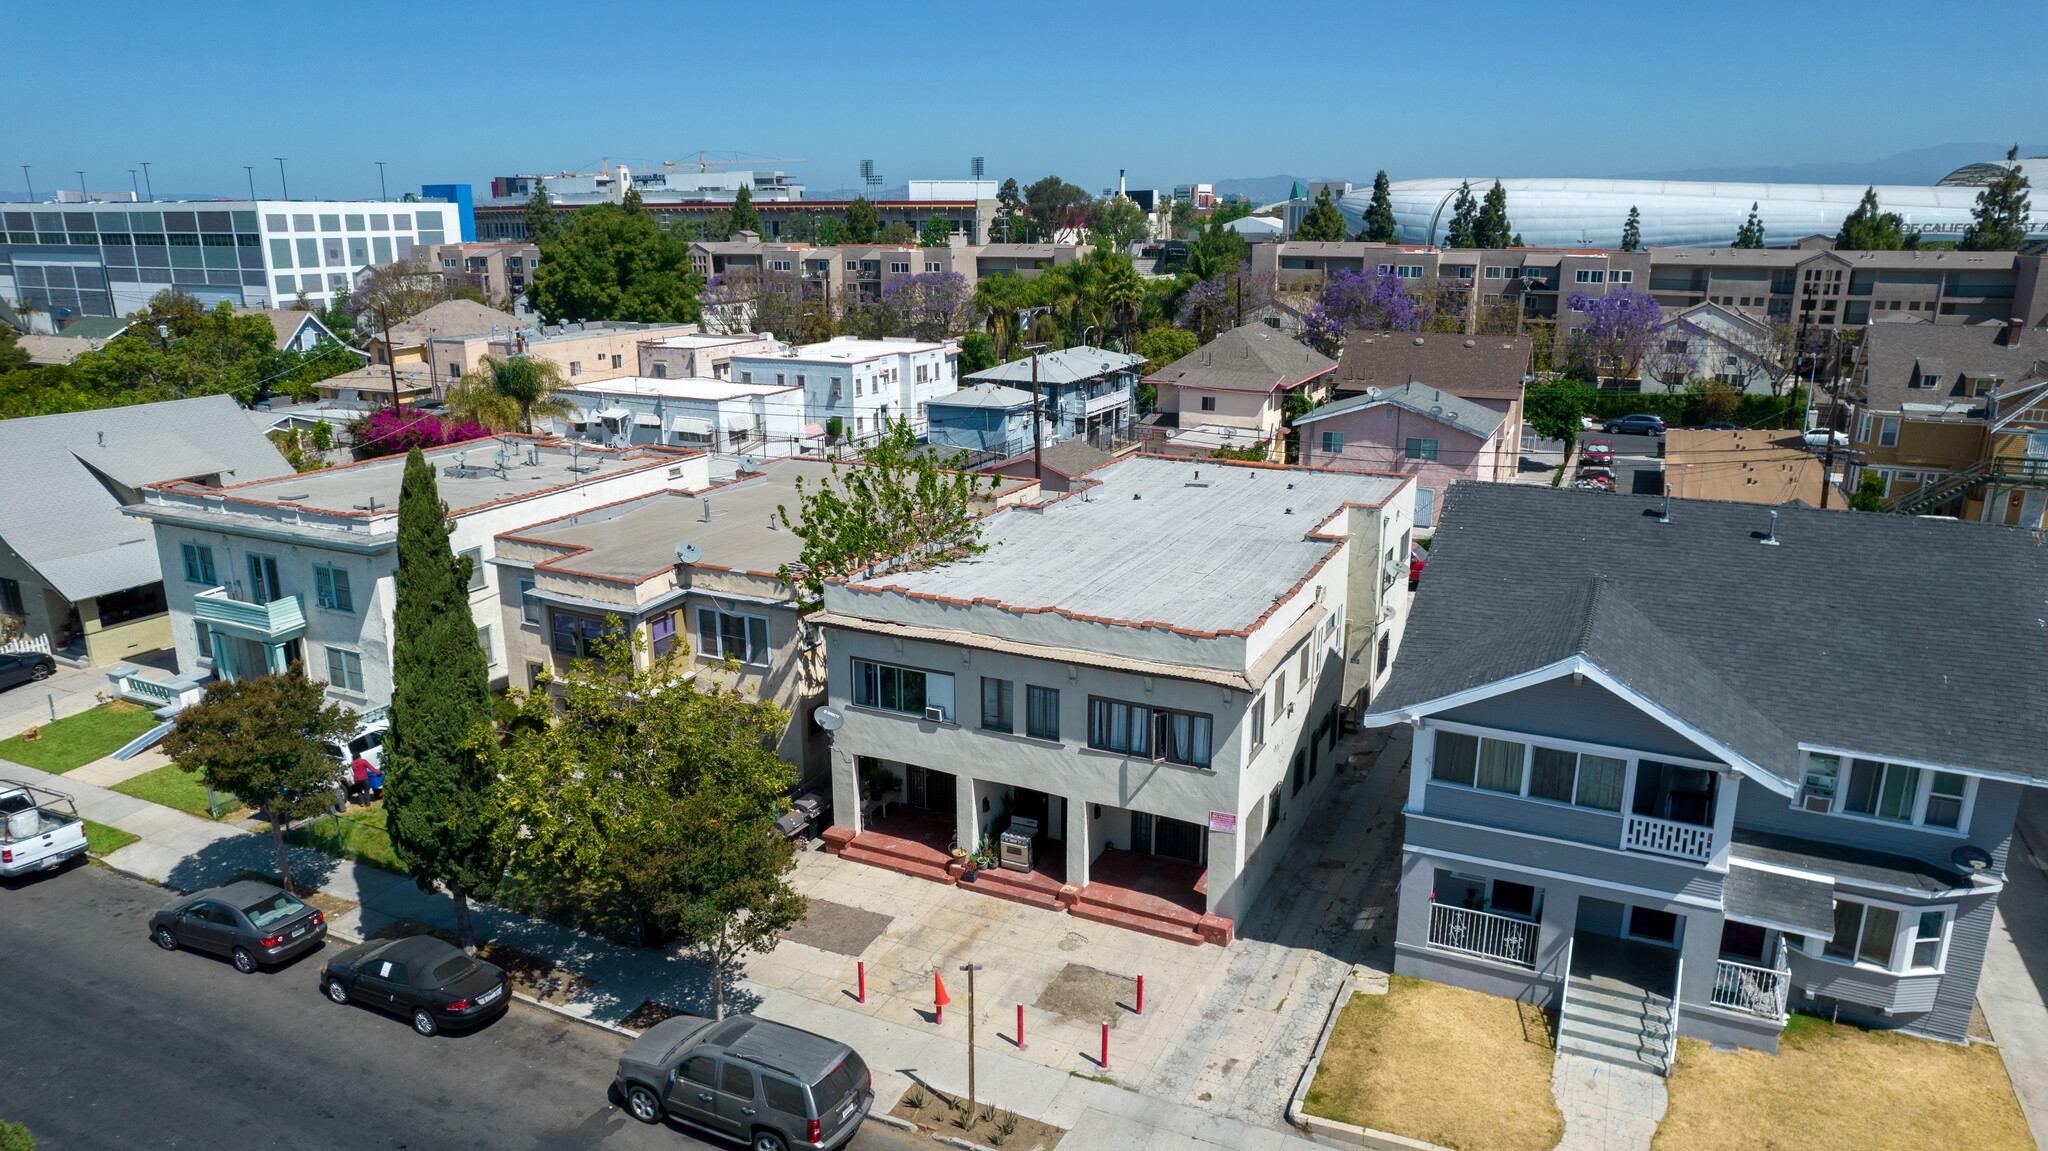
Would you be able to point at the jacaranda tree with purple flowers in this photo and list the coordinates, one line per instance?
(1375, 301)
(1619, 330)
(1213, 306)
(926, 306)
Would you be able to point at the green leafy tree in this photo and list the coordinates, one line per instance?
(1870, 229)
(1184, 218)
(1009, 207)
(15, 1137)
(829, 229)
(897, 234)
(744, 217)
(171, 314)
(1230, 210)
(540, 214)
(439, 754)
(863, 221)
(611, 264)
(684, 229)
(632, 201)
(1464, 229)
(1323, 223)
(1115, 291)
(1491, 229)
(717, 225)
(1056, 207)
(630, 783)
(1119, 220)
(799, 228)
(12, 357)
(1554, 407)
(507, 394)
(1163, 345)
(1869, 494)
(936, 233)
(898, 504)
(1216, 251)
(1379, 215)
(261, 740)
(1631, 232)
(977, 353)
(1751, 234)
(1999, 221)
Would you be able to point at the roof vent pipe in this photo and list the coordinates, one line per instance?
(1771, 537)
(1666, 517)
(707, 509)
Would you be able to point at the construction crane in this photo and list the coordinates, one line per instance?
(704, 164)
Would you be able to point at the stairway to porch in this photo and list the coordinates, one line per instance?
(1148, 893)
(909, 840)
(1617, 1006)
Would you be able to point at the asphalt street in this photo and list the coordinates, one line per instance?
(108, 1042)
(1637, 467)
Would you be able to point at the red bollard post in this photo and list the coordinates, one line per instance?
(863, 968)
(1141, 995)
(1020, 1027)
(1105, 1047)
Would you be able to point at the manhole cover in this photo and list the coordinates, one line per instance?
(1074, 941)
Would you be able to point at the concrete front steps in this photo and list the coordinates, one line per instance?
(890, 853)
(1137, 911)
(1613, 1022)
(1025, 887)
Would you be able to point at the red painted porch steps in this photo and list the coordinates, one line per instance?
(905, 856)
(1137, 911)
(1027, 887)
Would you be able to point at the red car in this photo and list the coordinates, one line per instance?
(1597, 452)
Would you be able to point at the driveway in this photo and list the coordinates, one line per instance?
(71, 690)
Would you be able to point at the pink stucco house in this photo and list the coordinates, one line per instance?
(1413, 429)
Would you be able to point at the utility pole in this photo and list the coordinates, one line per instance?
(249, 170)
(970, 969)
(381, 189)
(145, 181)
(282, 186)
(391, 362)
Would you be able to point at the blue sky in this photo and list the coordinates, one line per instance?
(1172, 93)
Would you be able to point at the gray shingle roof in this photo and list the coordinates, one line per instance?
(984, 396)
(1774, 899)
(1476, 367)
(65, 519)
(1848, 633)
(454, 318)
(1422, 399)
(1893, 354)
(1065, 367)
(1252, 358)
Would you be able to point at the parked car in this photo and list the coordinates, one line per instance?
(1597, 452)
(428, 980)
(254, 924)
(1635, 425)
(1819, 438)
(39, 829)
(25, 667)
(746, 1078)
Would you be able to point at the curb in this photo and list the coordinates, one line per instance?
(892, 1121)
(1328, 1131)
(523, 997)
(964, 1145)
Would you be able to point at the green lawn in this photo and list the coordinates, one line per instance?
(172, 786)
(358, 835)
(101, 840)
(77, 740)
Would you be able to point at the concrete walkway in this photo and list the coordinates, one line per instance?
(1606, 1108)
(71, 690)
(2010, 992)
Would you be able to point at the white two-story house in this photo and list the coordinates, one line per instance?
(1685, 766)
(865, 385)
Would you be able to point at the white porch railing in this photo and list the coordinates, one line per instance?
(1671, 1027)
(1665, 837)
(1483, 933)
(1757, 990)
(24, 644)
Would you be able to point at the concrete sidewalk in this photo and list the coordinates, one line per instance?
(70, 691)
(2010, 991)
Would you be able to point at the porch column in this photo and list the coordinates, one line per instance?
(1079, 851)
(845, 788)
(966, 813)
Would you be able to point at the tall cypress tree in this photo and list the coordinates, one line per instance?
(1632, 231)
(438, 756)
(1751, 234)
(1492, 229)
(745, 218)
(1464, 229)
(1999, 221)
(1323, 221)
(540, 214)
(1379, 217)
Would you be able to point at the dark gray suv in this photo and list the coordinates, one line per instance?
(776, 1087)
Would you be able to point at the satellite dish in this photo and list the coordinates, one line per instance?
(462, 459)
(749, 463)
(1372, 393)
(687, 553)
(1970, 858)
(829, 718)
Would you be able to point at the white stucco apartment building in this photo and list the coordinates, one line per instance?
(303, 567)
(730, 417)
(865, 384)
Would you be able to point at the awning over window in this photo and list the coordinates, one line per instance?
(690, 425)
(1801, 904)
(614, 413)
(814, 429)
(646, 420)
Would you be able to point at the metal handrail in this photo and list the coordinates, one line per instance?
(1470, 931)
(1671, 1032)
(1564, 989)
(1745, 987)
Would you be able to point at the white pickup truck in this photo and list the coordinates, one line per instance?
(39, 829)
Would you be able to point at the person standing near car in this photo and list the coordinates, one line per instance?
(376, 782)
(361, 769)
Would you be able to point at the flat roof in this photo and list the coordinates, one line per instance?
(1206, 546)
(1747, 466)
(700, 340)
(350, 488)
(846, 349)
(637, 541)
(685, 388)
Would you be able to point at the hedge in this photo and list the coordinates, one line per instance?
(1681, 410)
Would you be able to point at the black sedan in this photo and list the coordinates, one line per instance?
(253, 923)
(427, 979)
(25, 667)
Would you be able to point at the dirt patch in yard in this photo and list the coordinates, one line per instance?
(1444, 1065)
(531, 975)
(1088, 995)
(1838, 1087)
(837, 928)
(649, 1013)
(947, 1115)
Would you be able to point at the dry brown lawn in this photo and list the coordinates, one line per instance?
(1441, 1064)
(1836, 1087)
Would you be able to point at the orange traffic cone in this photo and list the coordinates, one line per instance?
(939, 999)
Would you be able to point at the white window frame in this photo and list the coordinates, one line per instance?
(1589, 276)
(530, 613)
(1332, 444)
(483, 640)
(358, 687)
(767, 652)
(1722, 794)
(1923, 786)
(1620, 276)
(1903, 939)
(943, 699)
(1888, 427)
(1863, 427)
(477, 579)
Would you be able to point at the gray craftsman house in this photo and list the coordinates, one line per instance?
(1713, 761)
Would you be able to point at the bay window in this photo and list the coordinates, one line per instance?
(1898, 940)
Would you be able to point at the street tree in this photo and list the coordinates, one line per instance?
(744, 217)
(1554, 408)
(440, 754)
(1619, 330)
(897, 234)
(863, 220)
(1751, 233)
(1119, 220)
(261, 740)
(1058, 209)
(540, 214)
(1492, 230)
(1009, 207)
(898, 504)
(1379, 215)
(1323, 223)
(1999, 221)
(1632, 231)
(1870, 229)
(936, 233)
(507, 394)
(610, 264)
(1464, 227)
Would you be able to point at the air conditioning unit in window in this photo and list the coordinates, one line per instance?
(935, 714)
(1812, 800)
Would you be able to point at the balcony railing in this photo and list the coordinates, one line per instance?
(1757, 990)
(1483, 933)
(277, 620)
(1666, 837)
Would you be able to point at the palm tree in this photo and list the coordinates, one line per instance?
(507, 394)
(1117, 291)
